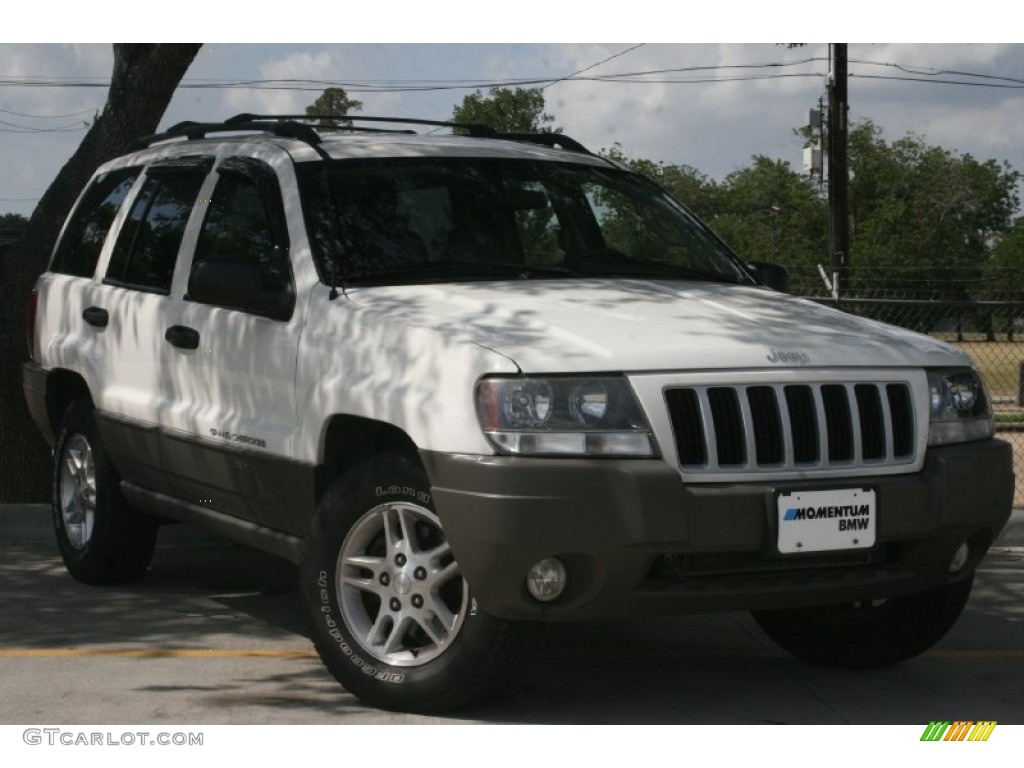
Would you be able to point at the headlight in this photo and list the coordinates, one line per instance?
(960, 409)
(593, 416)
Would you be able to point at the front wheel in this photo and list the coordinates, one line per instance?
(392, 616)
(869, 633)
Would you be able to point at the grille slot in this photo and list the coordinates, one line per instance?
(684, 409)
(730, 436)
(902, 411)
(780, 427)
(767, 424)
(872, 422)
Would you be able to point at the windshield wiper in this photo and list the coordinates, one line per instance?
(632, 268)
(449, 269)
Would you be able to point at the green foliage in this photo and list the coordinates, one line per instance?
(514, 110)
(926, 222)
(1004, 276)
(11, 227)
(924, 218)
(768, 212)
(687, 185)
(334, 101)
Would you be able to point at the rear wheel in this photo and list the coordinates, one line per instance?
(392, 616)
(870, 633)
(101, 539)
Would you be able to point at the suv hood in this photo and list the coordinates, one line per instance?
(644, 325)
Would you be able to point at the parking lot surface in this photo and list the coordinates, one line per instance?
(213, 635)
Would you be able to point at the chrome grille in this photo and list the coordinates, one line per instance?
(792, 427)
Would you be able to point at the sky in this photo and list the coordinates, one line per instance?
(723, 104)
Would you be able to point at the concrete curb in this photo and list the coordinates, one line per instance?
(30, 524)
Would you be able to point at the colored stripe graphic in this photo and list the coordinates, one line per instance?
(982, 730)
(958, 730)
(935, 730)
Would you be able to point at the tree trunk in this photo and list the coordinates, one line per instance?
(143, 81)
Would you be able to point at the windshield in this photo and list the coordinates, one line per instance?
(449, 219)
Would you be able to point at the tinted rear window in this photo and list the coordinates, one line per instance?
(79, 248)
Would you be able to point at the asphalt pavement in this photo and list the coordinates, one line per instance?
(214, 635)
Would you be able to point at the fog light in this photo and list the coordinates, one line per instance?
(959, 558)
(546, 579)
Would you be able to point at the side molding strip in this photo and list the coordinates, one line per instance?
(237, 530)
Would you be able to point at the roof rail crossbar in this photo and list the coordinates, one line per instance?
(474, 129)
(553, 140)
(191, 131)
(299, 127)
(479, 130)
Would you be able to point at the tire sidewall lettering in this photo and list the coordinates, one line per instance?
(398, 491)
(334, 626)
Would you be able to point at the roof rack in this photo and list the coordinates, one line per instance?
(300, 127)
(474, 129)
(191, 130)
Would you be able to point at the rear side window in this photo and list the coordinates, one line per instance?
(147, 246)
(79, 248)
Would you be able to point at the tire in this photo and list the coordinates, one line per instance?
(101, 539)
(867, 634)
(390, 613)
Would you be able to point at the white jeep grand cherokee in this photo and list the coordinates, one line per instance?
(477, 381)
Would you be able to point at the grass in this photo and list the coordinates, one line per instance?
(999, 363)
(1013, 417)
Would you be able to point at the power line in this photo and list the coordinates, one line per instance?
(594, 66)
(640, 77)
(936, 81)
(932, 72)
(30, 128)
(50, 117)
(42, 130)
(318, 86)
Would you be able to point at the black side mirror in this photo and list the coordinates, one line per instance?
(771, 275)
(237, 284)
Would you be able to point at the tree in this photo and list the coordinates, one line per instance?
(334, 101)
(768, 212)
(686, 184)
(925, 219)
(1004, 276)
(12, 226)
(143, 80)
(512, 110)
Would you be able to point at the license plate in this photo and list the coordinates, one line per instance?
(822, 521)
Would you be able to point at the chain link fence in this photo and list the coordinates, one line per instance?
(982, 314)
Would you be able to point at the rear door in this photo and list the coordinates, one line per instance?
(134, 301)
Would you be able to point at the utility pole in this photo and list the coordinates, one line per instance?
(838, 169)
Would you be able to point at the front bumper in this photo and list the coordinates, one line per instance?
(636, 540)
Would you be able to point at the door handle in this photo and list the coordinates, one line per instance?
(183, 337)
(96, 316)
